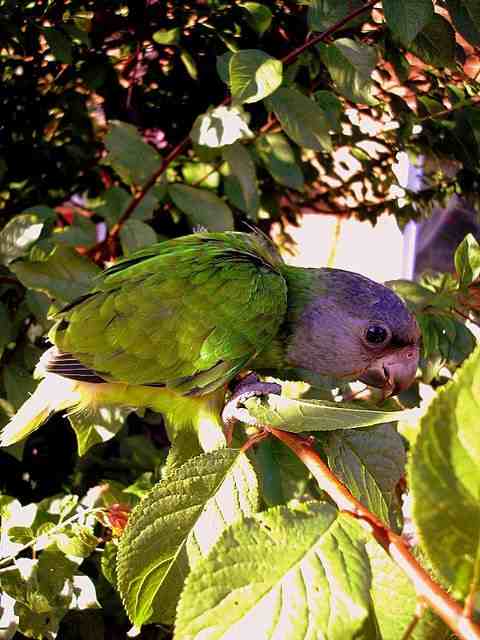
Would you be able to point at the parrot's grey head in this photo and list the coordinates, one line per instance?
(349, 327)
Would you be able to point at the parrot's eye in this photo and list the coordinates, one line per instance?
(376, 334)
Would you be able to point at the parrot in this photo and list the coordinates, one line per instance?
(168, 327)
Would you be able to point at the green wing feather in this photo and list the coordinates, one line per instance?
(188, 313)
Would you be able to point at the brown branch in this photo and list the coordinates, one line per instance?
(183, 144)
(426, 588)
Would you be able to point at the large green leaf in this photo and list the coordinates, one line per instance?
(314, 415)
(65, 275)
(301, 118)
(323, 14)
(290, 574)
(350, 64)
(370, 462)
(135, 234)
(132, 158)
(435, 44)
(396, 602)
(465, 19)
(279, 159)
(175, 525)
(202, 207)
(444, 477)
(242, 167)
(407, 18)
(253, 75)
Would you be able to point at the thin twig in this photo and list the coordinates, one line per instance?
(183, 144)
(446, 112)
(426, 588)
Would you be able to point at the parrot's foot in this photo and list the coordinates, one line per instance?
(234, 411)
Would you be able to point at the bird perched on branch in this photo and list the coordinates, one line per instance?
(171, 325)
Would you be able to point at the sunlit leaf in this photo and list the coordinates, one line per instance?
(314, 415)
(18, 235)
(444, 477)
(253, 75)
(467, 260)
(175, 525)
(302, 571)
(221, 126)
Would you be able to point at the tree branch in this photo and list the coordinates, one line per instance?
(183, 144)
(437, 599)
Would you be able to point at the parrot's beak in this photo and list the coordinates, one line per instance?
(393, 372)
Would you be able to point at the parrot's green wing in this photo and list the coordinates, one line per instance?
(186, 313)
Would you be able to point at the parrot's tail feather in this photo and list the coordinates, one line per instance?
(54, 393)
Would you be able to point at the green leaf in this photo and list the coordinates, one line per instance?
(444, 477)
(81, 233)
(464, 21)
(407, 18)
(221, 126)
(189, 63)
(279, 159)
(301, 119)
(77, 540)
(60, 45)
(5, 328)
(350, 65)
(64, 276)
(167, 36)
(435, 44)
(202, 207)
(135, 234)
(253, 75)
(205, 173)
(396, 602)
(18, 383)
(259, 16)
(93, 427)
(18, 235)
(132, 158)
(243, 168)
(175, 525)
(108, 562)
(304, 572)
(331, 106)
(370, 462)
(323, 14)
(314, 415)
(467, 260)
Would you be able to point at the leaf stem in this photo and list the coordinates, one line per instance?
(427, 589)
(183, 144)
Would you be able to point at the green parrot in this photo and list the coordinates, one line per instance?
(168, 327)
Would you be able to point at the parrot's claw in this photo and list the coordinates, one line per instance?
(234, 411)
